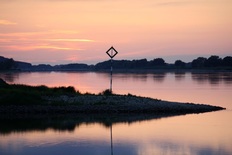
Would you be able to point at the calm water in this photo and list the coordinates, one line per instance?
(197, 134)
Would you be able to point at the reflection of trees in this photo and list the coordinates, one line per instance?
(159, 77)
(135, 75)
(125, 76)
(179, 76)
(227, 78)
(131, 76)
(213, 78)
(39, 122)
(9, 77)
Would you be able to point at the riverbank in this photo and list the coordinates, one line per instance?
(22, 99)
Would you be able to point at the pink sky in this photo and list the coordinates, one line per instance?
(79, 31)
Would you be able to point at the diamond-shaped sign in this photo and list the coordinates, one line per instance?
(112, 52)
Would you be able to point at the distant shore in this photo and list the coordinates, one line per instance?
(23, 99)
(212, 63)
(139, 71)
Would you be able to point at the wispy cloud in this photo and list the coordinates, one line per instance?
(36, 33)
(48, 40)
(70, 40)
(4, 41)
(173, 3)
(22, 34)
(65, 31)
(52, 47)
(37, 47)
(6, 22)
(72, 58)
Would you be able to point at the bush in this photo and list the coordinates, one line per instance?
(106, 92)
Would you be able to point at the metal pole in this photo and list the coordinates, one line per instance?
(111, 53)
(111, 74)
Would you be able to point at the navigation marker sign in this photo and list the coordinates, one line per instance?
(111, 53)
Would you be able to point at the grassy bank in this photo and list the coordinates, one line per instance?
(17, 94)
(41, 99)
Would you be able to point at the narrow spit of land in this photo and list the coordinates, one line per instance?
(23, 99)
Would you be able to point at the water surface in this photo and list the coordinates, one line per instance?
(206, 133)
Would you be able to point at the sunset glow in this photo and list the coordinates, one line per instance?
(62, 29)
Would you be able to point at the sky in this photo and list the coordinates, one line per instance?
(81, 31)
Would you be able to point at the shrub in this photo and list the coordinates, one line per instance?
(107, 92)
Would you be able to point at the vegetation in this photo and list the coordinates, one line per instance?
(27, 95)
(22, 99)
(213, 62)
(106, 92)
(6, 64)
(17, 94)
(134, 64)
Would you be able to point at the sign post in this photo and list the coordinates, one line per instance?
(111, 53)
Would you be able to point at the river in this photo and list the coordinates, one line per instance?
(197, 134)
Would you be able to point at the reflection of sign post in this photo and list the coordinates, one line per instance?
(111, 140)
(111, 52)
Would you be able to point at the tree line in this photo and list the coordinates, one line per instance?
(200, 62)
(6, 64)
(213, 62)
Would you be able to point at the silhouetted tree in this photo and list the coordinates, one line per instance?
(103, 65)
(157, 62)
(227, 61)
(140, 63)
(213, 61)
(7, 64)
(179, 63)
(199, 62)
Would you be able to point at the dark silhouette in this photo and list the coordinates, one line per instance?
(157, 62)
(6, 64)
(199, 62)
(213, 62)
(227, 61)
(179, 63)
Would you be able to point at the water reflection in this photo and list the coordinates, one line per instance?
(166, 147)
(127, 76)
(213, 78)
(200, 77)
(208, 133)
(180, 76)
(10, 76)
(159, 77)
(143, 77)
(37, 122)
(71, 136)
